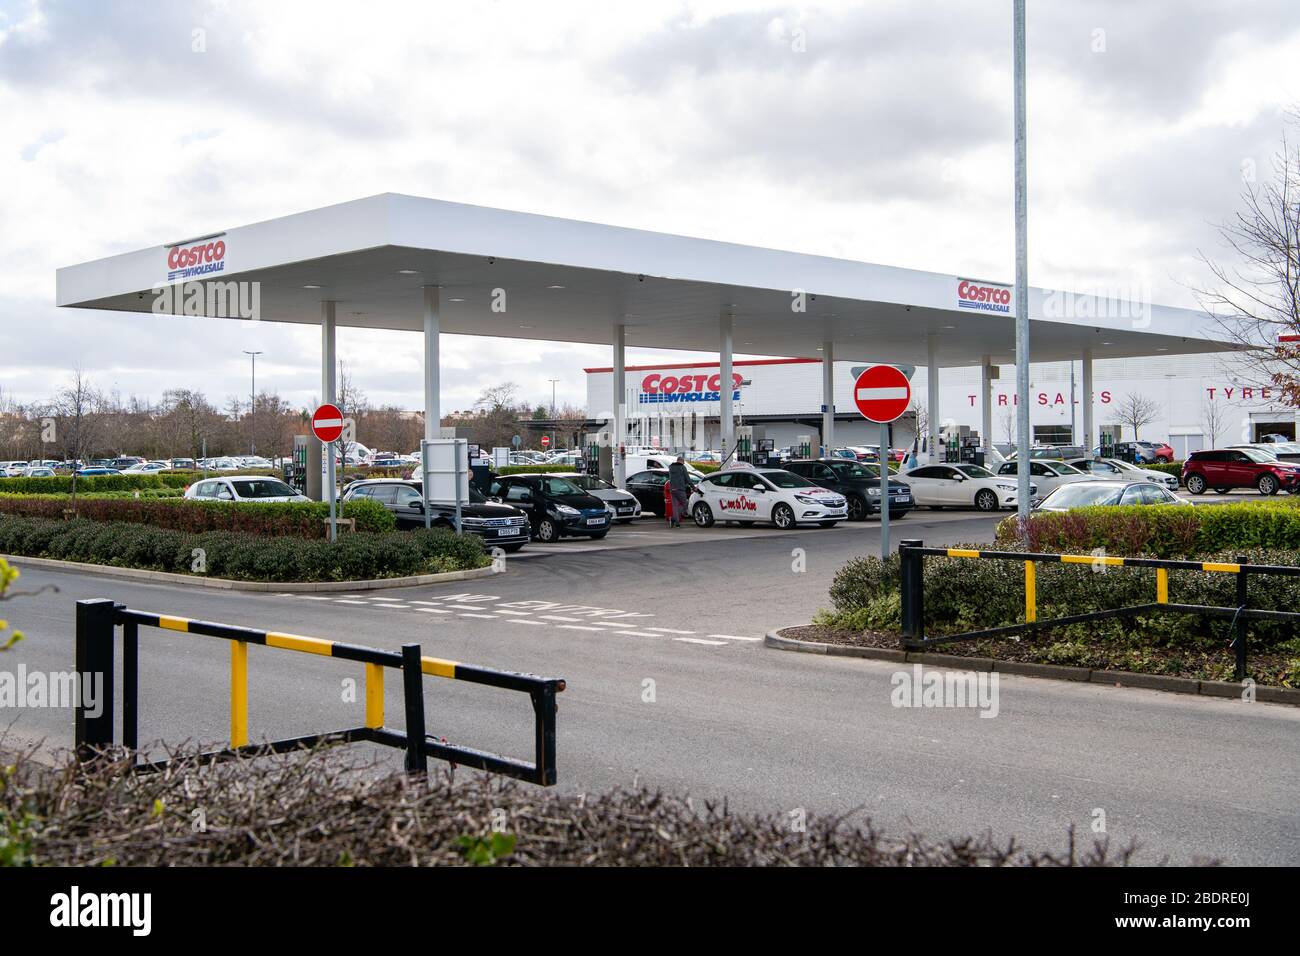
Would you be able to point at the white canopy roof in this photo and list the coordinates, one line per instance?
(570, 281)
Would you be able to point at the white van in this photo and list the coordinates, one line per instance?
(641, 461)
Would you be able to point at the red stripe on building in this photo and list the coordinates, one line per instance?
(651, 368)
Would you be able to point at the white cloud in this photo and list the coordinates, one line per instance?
(886, 137)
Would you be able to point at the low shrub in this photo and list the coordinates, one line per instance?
(243, 556)
(1174, 468)
(320, 809)
(1161, 531)
(298, 519)
(963, 594)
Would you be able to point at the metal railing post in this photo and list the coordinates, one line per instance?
(911, 584)
(94, 651)
(413, 688)
(1242, 600)
(130, 684)
(544, 710)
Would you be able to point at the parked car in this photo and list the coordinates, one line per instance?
(146, 468)
(1046, 475)
(125, 462)
(556, 507)
(623, 505)
(243, 488)
(1115, 469)
(499, 525)
(182, 464)
(1093, 492)
(859, 483)
(1228, 468)
(949, 486)
(12, 469)
(748, 495)
(93, 472)
(647, 487)
(38, 472)
(1163, 451)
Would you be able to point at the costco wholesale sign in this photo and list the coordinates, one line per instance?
(983, 296)
(203, 258)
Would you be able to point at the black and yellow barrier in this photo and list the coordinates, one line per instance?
(98, 620)
(912, 553)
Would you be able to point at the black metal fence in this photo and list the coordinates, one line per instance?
(912, 554)
(97, 623)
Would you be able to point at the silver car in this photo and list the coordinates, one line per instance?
(1085, 494)
(623, 506)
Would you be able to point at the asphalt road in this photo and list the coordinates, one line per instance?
(658, 634)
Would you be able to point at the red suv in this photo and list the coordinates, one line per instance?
(1228, 468)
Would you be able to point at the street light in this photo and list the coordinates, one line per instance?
(252, 405)
(553, 441)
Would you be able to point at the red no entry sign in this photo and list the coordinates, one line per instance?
(327, 423)
(882, 393)
(546, 440)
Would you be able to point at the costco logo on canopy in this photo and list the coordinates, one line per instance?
(185, 262)
(983, 296)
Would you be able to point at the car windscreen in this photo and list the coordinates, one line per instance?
(851, 469)
(1061, 468)
(785, 479)
(560, 486)
(1258, 455)
(1081, 495)
(975, 471)
(591, 483)
(263, 488)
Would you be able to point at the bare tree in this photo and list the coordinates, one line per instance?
(1135, 410)
(1008, 422)
(79, 405)
(1256, 300)
(1212, 423)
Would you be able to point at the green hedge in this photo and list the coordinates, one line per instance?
(297, 519)
(1161, 531)
(62, 484)
(1174, 468)
(964, 594)
(242, 556)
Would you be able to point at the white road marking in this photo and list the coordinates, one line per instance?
(576, 627)
(638, 634)
(503, 610)
(697, 640)
(314, 597)
(431, 610)
(735, 637)
(416, 601)
(485, 617)
(668, 630)
(515, 620)
(553, 617)
(363, 603)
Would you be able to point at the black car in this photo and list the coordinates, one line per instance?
(123, 463)
(556, 506)
(858, 482)
(648, 488)
(499, 525)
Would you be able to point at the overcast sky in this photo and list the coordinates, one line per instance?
(875, 130)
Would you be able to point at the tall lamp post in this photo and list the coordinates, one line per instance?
(554, 443)
(252, 405)
(1022, 264)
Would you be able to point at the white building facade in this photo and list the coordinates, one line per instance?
(1192, 401)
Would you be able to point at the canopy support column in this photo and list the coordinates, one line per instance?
(726, 420)
(432, 359)
(1089, 432)
(828, 397)
(986, 409)
(620, 405)
(932, 395)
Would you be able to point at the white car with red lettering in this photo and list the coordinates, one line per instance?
(747, 495)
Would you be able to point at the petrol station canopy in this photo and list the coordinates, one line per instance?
(525, 276)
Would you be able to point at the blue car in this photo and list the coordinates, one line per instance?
(92, 472)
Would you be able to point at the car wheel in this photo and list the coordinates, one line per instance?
(1196, 484)
(783, 517)
(547, 531)
(703, 515)
(857, 509)
(1267, 485)
(986, 500)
